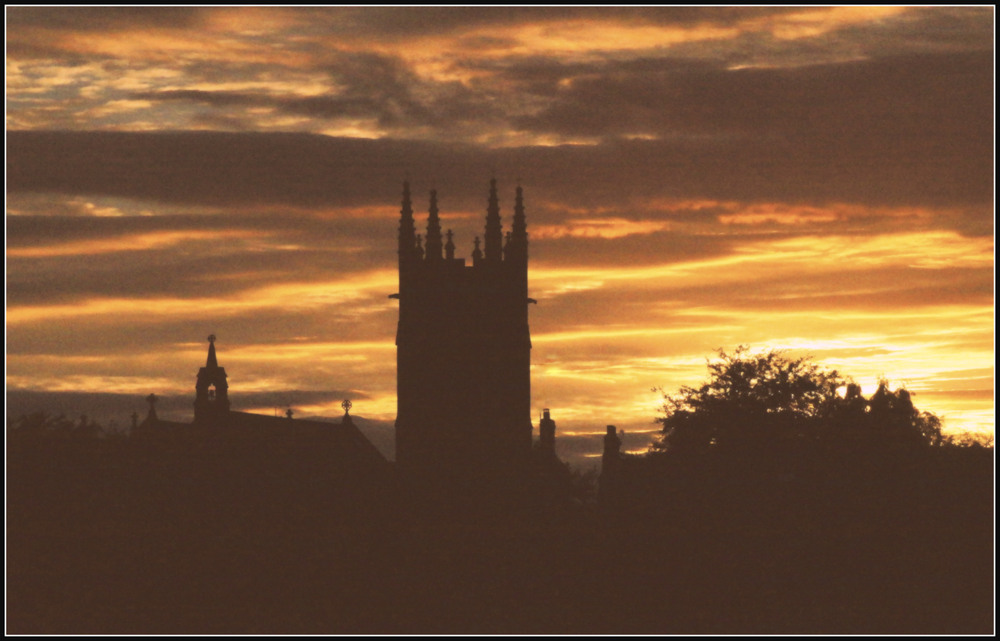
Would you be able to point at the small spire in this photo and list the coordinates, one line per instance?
(212, 361)
(477, 254)
(520, 224)
(449, 247)
(494, 231)
(151, 399)
(517, 245)
(433, 230)
(406, 226)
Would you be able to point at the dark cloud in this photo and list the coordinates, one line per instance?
(937, 106)
(139, 274)
(370, 86)
(240, 251)
(941, 29)
(36, 32)
(202, 168)
(101, 18)
(948, 164)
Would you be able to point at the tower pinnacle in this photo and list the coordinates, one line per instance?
(407, 231)
(212, 361)
(449, 247)
(433, 244)
(520, 225)
(494, 233)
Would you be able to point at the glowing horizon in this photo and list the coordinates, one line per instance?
(811, 179)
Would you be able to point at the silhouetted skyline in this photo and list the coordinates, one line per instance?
(817, 179)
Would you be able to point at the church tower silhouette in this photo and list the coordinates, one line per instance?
(463, 346)
(211, 401)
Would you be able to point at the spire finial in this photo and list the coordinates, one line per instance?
(449, 247)
(406, 226)
(477, 254)
(211, 361)
(494, 231)
(517, 246)
(433, 230)
(520, 225)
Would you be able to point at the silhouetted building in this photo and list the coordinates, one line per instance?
(214, 420)
(211, 401)
(463, 346)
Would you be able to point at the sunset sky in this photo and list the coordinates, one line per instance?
(816, 179)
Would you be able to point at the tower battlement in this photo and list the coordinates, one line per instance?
(463, 343)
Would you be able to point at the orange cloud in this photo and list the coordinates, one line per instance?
(599, 228)
(793, 214)
(130, 242)
(171, 45)
(813, 22)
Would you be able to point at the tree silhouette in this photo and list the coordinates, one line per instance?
(753, 400)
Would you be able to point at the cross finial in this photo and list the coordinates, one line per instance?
(211, 338)
(151, 399)
(347, 405)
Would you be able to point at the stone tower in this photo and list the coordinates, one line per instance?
(462, 345)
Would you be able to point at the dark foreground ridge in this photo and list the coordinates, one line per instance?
(216, 535)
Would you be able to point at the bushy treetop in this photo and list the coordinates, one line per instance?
(754, 399)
